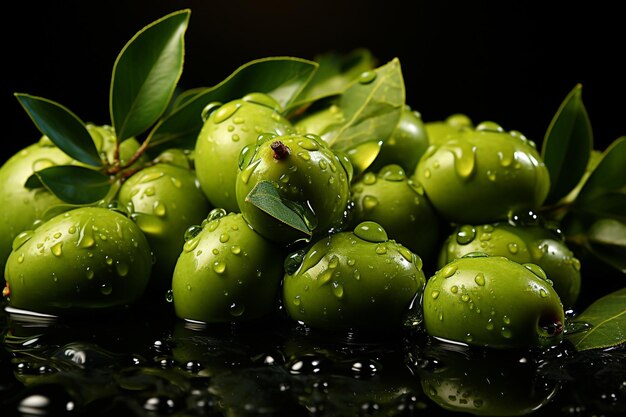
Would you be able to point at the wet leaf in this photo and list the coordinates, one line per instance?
(280, 77)
(335, 73)
(145, 74)
(608, 176)
(63, 128)
(371, 106)
(607, 241)
(607, 317)
(567, 145)
(266, 197)
(73, 184)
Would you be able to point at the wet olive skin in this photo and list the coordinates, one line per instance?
(347, 283)
(492, 301)
(438, 131)
(164, 201)
(86, 259)
(522, 244)
(225, 132)
(226, 273)
(21, 207)
(485, 382)
(309, 174)
(406, 145)
(399, 205)
(479, 176)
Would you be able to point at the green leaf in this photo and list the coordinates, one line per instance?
(606, 240)
(75, 184)
(335, 73)
(145, 74)
(567, 145)
(607, 317)
(609, 175)
(371, 106)
(63, 128)
(607, 205)
(280, 77)
(266, 197)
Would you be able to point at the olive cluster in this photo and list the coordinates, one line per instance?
(265, 213)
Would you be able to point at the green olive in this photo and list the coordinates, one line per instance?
(23, 207)
(522, 244)
(406, 145)
(164, 201)
(226, 130)
(399, 205)
(226, 272)
(481, 175)
(438, 131)
(353, 281)
(485, 382)
(305, 172)
(86, 259)
(493, 301)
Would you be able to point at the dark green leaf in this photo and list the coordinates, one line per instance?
(265, 196)
(75, 184)
(607, 205)
(335, 73)
(609, 175)
(145, 74)
(606, 240)
(371, 106)
(607, 317)
(279, 77)
(63, 128)
(567, 145)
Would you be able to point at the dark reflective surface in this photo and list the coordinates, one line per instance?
(146, 362)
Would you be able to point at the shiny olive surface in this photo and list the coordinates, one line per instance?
(164, 201)
(305, 172)
(226, 272)
(353, 281)
(399, 205)
(493, 301)
(481, 175)
(522, 244)
(85, 259)
(227, 129)
(438, 131)
(406, 145)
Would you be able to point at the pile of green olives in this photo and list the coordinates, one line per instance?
(265, 219)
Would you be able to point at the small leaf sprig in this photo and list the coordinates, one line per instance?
(144, 77)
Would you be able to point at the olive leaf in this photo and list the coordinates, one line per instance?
(567, 145)
(63, 128)
(605, 322)
(609, 176)
(145, 74)
(606, 240)
(72, 184)
(280, 77)
(335, 73)
(265, 196)
(371, 106)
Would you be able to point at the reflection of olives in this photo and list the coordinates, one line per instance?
(226, 272)
(164, 201)
(493, 301)
(306, 173)
(226, 131)
(480, 175)
(521, 244)
(84, 259)
(406, 145)
(399, 205)
(357, 281)
(485, 383)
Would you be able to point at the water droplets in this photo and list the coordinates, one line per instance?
(219, 267)
(208, 109)
(106, 289)
(57, 249)
(367, 77)
(225, 112)
(236, 309)
(337, 289)
(480, 279)
(371, 232)
(465, 234)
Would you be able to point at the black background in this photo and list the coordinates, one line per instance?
(507, 61)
